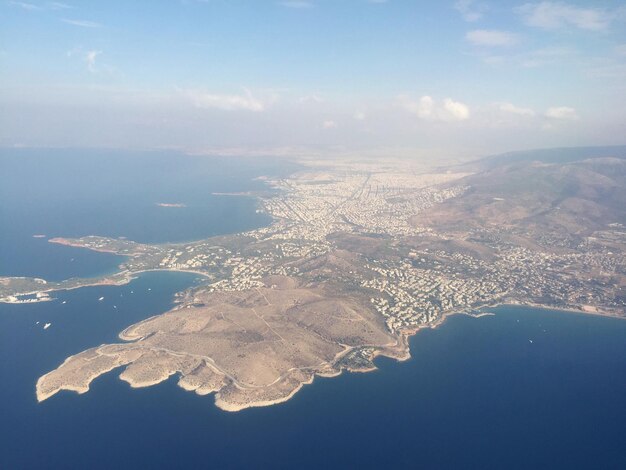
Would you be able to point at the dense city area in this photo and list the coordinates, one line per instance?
(409, 283)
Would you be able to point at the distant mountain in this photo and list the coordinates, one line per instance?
(573, 191)
(552, 155)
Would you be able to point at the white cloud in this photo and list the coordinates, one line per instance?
(511, 108)
(58, 6)
(547, 55)
(484, 37)
(426, 108)
(360, 116)
(246, 102)
(329, 124)
(554, 15)
(90, 59)
(456, 110)
(470, 10)
(608, 70)
(25, 6)
(314, 98)
(562, 112)
(82, 23)
(46, 6)
(296, 4)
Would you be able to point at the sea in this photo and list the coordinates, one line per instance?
(522, 388)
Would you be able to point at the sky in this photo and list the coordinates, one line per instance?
(364, 77)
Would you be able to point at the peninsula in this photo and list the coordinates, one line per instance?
(359, 256)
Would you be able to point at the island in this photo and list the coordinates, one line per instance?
(171, 204)
(359, 256)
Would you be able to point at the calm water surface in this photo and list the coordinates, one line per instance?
(72, 193)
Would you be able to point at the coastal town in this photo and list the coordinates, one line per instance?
(412, 286)
(390, 247)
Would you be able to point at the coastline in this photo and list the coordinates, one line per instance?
(129, 276)
(398, 350)
(598, 311)
(441, 320)
(66, 242)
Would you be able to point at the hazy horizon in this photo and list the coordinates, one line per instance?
(447, 79)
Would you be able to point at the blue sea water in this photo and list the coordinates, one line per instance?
(73, 193)
(477, 393)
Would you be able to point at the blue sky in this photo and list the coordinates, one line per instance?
(344, 76)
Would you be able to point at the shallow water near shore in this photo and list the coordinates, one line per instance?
(524, 388)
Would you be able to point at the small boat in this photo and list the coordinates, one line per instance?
(101, 299)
